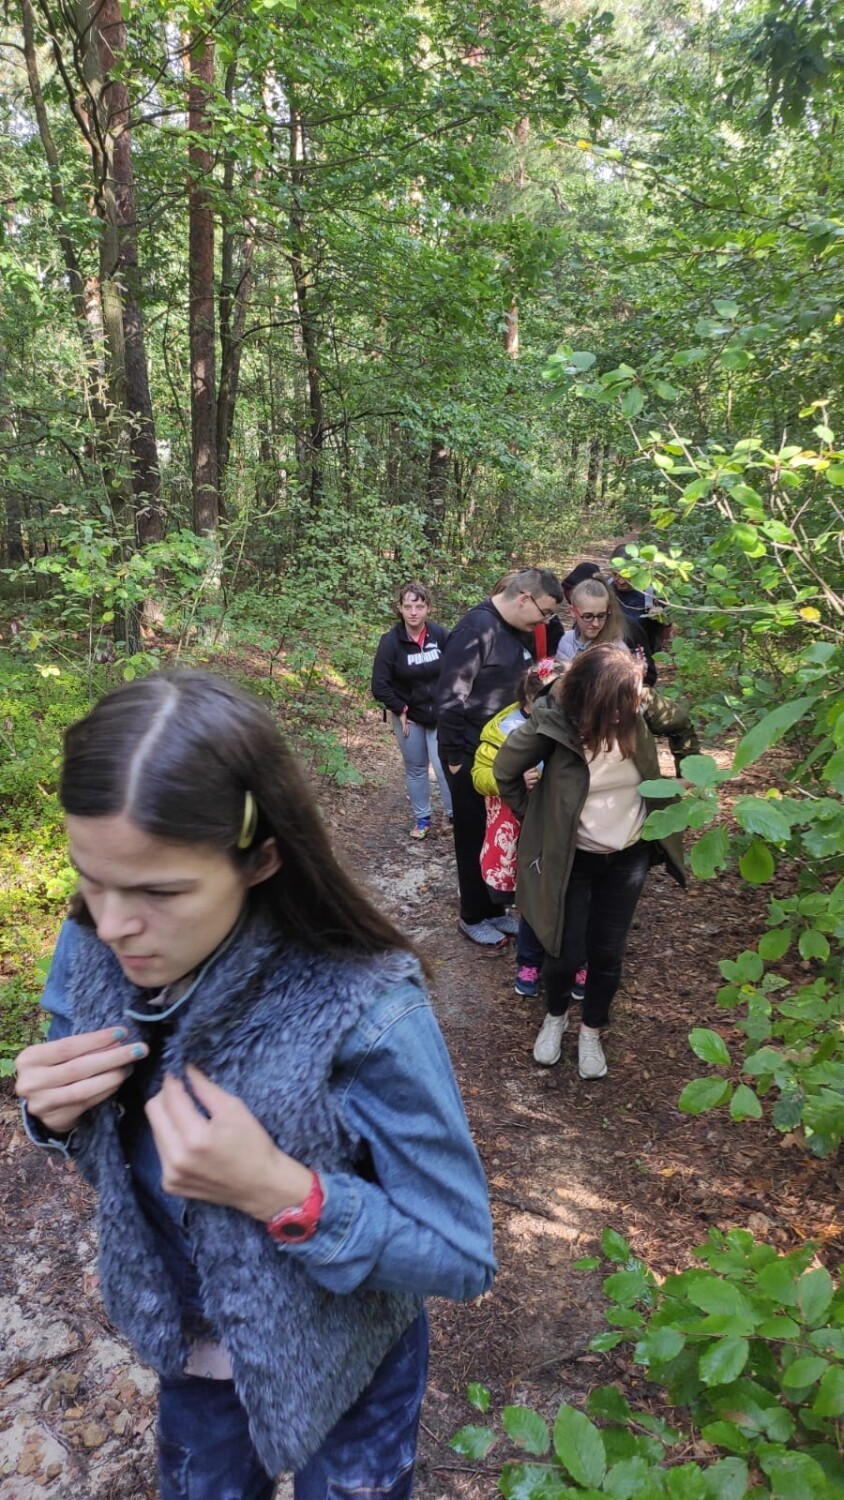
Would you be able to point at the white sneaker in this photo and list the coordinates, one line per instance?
(591, 1062)
(548, 1045)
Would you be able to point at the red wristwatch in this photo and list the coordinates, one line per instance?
(293, 1225)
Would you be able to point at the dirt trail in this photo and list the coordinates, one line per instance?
(564, 1159)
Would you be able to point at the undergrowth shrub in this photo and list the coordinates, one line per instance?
(746, 1349)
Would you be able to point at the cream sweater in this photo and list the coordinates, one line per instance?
(613, 812)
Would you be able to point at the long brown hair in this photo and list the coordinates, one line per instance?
(177, 752)
(600, 695)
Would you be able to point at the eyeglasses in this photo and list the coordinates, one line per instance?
(545, 614)
(588, 616)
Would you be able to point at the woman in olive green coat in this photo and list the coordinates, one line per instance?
(582, 863)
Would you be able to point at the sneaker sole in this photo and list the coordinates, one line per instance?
(528, 994)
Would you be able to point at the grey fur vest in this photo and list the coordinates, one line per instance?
(266, 1023)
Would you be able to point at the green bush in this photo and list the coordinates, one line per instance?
(746, 1349)
(755, 580)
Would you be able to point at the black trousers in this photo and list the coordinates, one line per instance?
(601, 898)
(469, 810)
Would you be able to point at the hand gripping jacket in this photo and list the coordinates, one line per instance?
(266, 1024)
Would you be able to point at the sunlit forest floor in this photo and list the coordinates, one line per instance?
(564, 1159)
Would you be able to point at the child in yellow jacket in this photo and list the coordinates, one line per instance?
(501, 840)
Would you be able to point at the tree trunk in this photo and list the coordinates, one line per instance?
(14, 550)
(392, 466)
(592, 472)
(236, 283)
(205, 467)
(574, 455)
(146, 477)
(83, 293)
(133, 464)
(108, 314)
(439, 470)
(511, 316)
(605, 469)
(307, 321)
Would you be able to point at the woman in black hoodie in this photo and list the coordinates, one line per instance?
(404, 678)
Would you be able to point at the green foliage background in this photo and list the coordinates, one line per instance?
(651, 201)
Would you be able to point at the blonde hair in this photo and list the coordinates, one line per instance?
(613, 629)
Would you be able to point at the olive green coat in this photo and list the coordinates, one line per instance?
(551, 812)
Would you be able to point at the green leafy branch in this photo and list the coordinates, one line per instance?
(794, 1039)
(748, 1350)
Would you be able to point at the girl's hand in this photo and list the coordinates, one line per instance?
(405, 729)
(224, 1155)
(532, 777)
(62, 1080)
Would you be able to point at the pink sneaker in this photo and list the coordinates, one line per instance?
(527, 981)
(578, 989)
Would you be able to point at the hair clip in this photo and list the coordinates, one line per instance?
(546, 667)
(250, 821)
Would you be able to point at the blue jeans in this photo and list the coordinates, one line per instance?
(529, 950)
(205, 1452)
(418, 748)
(601, 897)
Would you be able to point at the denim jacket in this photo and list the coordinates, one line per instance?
(422, 1225)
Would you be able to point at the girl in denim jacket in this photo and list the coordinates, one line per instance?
(244, 1063)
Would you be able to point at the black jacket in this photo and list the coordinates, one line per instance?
(403, 676)
(482, 664)
(647, 629)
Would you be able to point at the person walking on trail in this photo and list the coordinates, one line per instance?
(579, 572)
(582, 862)
(643, 610)
(404, 679)
(501, 840)
(244, 1063)
(486, 654)
(600, 620)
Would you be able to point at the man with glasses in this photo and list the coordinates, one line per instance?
(486, 654)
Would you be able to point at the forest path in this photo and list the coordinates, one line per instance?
(564, 1159)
